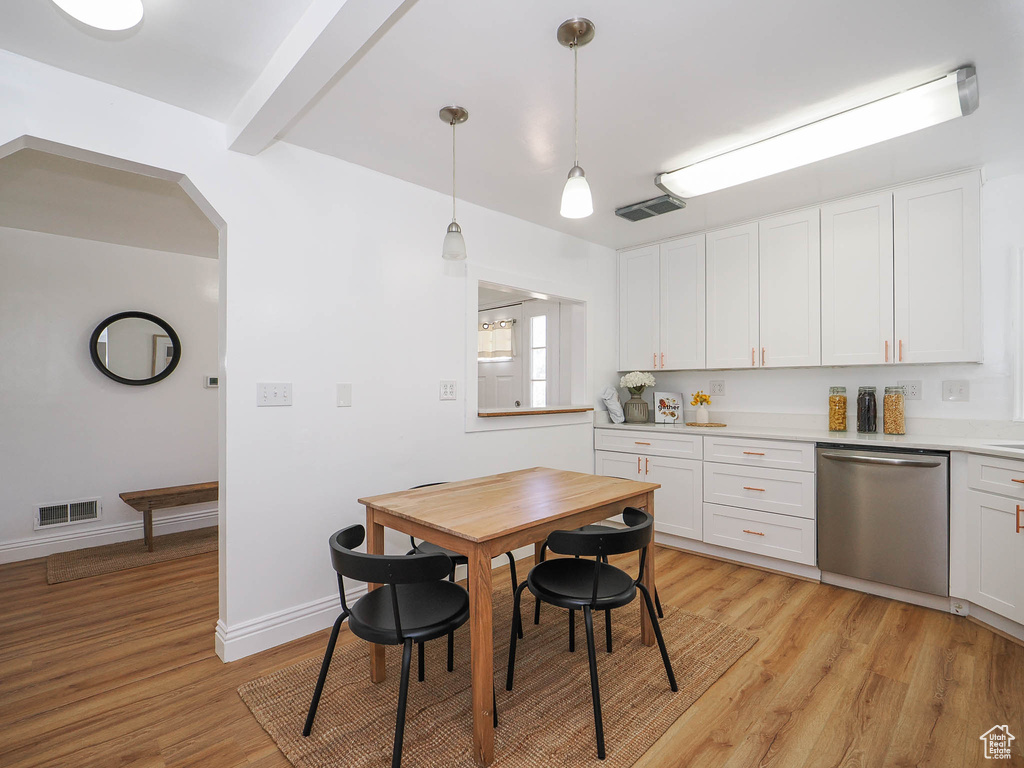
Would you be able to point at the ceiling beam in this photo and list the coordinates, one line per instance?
(328, 40)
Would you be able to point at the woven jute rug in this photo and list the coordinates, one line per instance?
(81, 563)
(546, 721)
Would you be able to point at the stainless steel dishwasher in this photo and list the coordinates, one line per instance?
(883, 516)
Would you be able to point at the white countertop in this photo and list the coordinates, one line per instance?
(981, 445)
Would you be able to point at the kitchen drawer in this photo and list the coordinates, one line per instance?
(782, 491)
(781, 536)
(1002, 476)
(778, 454)
(680, 446)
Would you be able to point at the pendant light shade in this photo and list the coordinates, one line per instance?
(111, 15)
(454, 248)
(577, 202)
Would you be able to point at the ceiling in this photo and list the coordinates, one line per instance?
(42, 192)
(662, 85)
(202, 55)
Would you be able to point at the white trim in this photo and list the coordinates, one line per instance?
(936, 602)
(65, 540)
(995, 621)
(1017, 334)
(737, 556)
(273, 629)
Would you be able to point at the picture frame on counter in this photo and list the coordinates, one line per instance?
(668, 407)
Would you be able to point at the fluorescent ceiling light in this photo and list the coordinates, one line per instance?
(114, 15)
(935, 102)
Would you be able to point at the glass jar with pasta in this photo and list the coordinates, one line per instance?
(837, 409)
(894, 418)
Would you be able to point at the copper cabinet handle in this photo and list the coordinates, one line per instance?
(752, 453)
(647, 466)
(748, 488)
(901, 350)
(753, 358)
(638, 442)
(662, 359)
(1015, 480)
(755, 533)
(887, 350)
(1019, 526)
(762, 355)
(638, 465)
(655, 363)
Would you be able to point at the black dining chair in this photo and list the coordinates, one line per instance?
(590, 585)
(572, 614)
(414, 604)
(426, 547)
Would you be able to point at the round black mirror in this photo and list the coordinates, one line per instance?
(135, 348)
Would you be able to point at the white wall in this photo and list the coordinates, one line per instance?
(805, 390)
(66, 430)
(326, 266)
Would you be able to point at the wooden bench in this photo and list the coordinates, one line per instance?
(163, 498)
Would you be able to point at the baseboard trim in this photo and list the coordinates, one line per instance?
(255, 635)
(66, 540)
(738, 557)
(1000, 625)
(925, 600)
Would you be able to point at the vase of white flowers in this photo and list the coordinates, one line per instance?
(635, 409)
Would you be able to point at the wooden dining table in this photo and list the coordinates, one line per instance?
(485, 517)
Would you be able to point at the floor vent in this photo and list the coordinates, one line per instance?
(67, 513)
(650, 208)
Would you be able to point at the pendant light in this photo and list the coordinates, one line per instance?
(577, 202)
(112, 15)
(454, 243)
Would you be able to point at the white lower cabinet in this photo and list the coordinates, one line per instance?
(677, 502)
(987, 534)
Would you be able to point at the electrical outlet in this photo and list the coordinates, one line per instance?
(273, 394)
(344, 395)
(718, 387)
(956, 390)
(913, 389)
(447, 389)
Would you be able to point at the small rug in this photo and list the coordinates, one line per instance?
(546, 721)
(94, 561)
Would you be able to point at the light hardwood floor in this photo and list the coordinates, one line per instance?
(119, 670)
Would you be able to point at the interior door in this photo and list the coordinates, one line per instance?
(500, 381)
(789, 289)
(678, 504)
(937, 270)
(639, 309)
(732, 298)
(682, 304)
(856, 281)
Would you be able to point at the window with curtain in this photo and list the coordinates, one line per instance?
(495, 341)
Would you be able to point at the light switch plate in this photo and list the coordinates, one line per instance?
(344, 395)
(273, 394)
(956, 390)
(447, 389)
(718, 387)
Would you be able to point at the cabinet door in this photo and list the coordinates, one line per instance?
(678, 503)
(627, 466)
(856, 281)
(789, 271)
(732, 298)
(994, 554)
(937, 274)
(682, 304)
(639, 310)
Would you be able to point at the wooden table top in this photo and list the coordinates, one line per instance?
(174, 496)
(488, 507)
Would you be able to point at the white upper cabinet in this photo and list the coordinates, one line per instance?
(937, 270)
(732, 298)
(856, 281)
(639, 309)
(789, 258)
(682, 304)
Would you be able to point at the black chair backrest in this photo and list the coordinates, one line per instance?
(607, 541)
(635, 536)
(387, 570)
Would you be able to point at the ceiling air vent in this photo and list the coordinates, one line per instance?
(67, 512)
(650, 208)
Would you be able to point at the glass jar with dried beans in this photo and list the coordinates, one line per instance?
(894, 419)
(867, 410)
(837, 409)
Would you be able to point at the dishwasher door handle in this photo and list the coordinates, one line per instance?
(858, 459)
